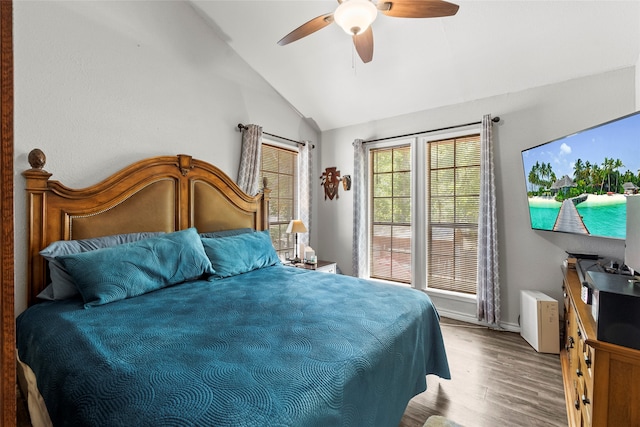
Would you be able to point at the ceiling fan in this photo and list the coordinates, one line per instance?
(355, 18)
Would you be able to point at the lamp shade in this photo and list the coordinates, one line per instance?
(296, 226)
(355, 16)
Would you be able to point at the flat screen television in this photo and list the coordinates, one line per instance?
(579, 183)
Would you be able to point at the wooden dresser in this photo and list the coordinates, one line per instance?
(601, 380)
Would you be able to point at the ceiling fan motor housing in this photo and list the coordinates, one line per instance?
(355, 16)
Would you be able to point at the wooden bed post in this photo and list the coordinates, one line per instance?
(37, 180)
(7, 300)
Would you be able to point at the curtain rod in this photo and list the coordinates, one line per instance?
(494, 120)
(243, 127)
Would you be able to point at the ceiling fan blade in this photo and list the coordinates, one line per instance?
(364, 45)
(417, 8)
(307, 28)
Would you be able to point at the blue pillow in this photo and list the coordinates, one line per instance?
(239, 254)
(227, 233)
(62, 286)
(125, 271)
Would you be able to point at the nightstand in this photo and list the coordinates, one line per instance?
(321, 266)
(326, 267)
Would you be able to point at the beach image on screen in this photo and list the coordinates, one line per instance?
(580, 183)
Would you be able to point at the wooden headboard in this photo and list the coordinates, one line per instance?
(165, 193)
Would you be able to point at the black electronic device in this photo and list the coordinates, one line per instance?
(582, 256)
(615, 307)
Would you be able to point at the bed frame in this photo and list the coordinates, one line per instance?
(164, 193)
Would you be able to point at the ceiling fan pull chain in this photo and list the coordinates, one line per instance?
(354, 63)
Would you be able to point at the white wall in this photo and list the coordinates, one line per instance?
(638, 84)
(529, 259)
(638, 77)
(99, 85)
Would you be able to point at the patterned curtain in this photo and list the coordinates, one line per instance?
(304, 188)
(359, 254)
(249, 170)
(488, 295)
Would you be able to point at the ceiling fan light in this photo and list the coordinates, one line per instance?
(355, 16)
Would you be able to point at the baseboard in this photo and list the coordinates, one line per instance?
(462, 317)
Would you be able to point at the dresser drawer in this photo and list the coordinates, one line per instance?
(586, 398)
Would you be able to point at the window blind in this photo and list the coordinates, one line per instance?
(453, 202)
(280, 167)
(391, 214)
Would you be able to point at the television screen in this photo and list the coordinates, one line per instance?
(580, 183)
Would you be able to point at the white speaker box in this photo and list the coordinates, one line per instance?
(632, 243)
(539, 324)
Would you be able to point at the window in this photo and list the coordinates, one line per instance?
(391, 214)
(280, 167)
(453, 202)
(424, 199)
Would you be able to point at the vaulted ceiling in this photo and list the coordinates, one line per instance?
(488, 48)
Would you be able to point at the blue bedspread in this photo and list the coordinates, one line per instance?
(278, 346)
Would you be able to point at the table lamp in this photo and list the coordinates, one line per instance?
(296, 226)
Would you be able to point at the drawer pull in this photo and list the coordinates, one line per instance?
(570, 343)
(587, 361)
(578, 372)
(576, 404)
(585, 400)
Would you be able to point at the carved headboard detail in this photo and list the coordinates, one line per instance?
(164, 193)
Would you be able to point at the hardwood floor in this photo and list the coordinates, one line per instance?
(498, 379)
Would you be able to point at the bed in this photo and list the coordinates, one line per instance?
(178, 312)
